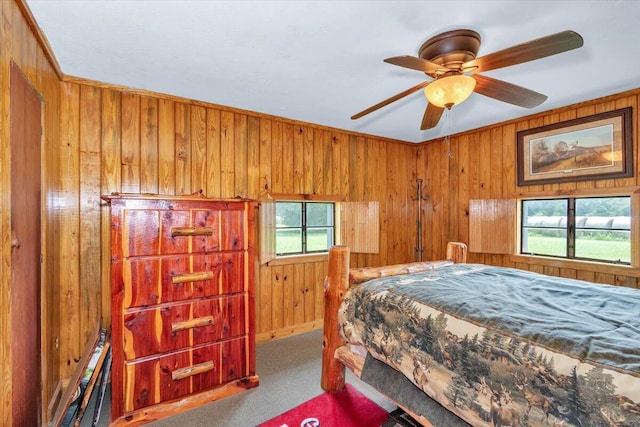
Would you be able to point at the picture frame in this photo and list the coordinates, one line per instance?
(599, 146)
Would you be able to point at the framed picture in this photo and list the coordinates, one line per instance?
(593, 147)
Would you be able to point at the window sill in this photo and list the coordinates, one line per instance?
(298, 259)
(596, 267)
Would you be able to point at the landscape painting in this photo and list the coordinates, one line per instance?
(594, 147)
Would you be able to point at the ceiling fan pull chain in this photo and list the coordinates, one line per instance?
(447, 138)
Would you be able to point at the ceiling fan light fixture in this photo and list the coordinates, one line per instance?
(448, 91)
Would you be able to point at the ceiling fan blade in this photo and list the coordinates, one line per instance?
(507, 92)
(416, 63)
(390, 100)
(525, 52)
(431, 117)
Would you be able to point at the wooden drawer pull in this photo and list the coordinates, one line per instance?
(191, 231)
(192, 277)
(187, 372)
(192, 323)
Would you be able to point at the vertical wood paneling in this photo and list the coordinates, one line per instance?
(149, 167)
(425, 156)
(288, 165)
(69, 217)
(130, 132)
(336, 178)
(377, 148)
(344, 167)
(227, 153)
(288, 295)
(319, 177)
(462, 196)
(90, 248)
(240, 156)
(309, 292)
(318, 288)
(253, 157)
(496, 164)
(263, 302)
(308, 182)
(214, 156)
(277, 297)
(276, 157)
(111, 142)
(166, 147)
(110, 180)
(484, 176)
(327, 162)
(299, 281)
(473, 168)
(265, 157)
(183, 149)
(198, 148)
(298, 160)
(508, 172)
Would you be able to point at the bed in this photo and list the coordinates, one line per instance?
(485, 345)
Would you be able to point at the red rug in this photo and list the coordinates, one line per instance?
(346, 408)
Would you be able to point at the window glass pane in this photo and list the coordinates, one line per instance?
(296, 234)
(604, 206)
(603, 227)
(319, 239)
(606, 245)
(289, 241)
(544, 241)
(288, 214)
(319, 214)
(545, 213)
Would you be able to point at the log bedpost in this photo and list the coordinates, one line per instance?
(457, 252)
(335, 287)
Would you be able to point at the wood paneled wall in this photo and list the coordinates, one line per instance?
(118, 140)
(483, 166)
(19, 43)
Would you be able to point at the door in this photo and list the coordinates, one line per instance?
(25, 137)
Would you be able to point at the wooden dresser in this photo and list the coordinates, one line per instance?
(182, 295)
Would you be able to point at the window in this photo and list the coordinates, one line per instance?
(589, 228)
(304, 227)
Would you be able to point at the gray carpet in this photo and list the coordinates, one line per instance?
(289, 371)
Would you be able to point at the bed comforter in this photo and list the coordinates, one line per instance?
(506, 347)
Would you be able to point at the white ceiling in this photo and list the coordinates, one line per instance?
(322, 61)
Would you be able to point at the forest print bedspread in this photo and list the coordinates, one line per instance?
(506, 347)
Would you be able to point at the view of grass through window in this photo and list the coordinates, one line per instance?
(601, 228)
(304, 227)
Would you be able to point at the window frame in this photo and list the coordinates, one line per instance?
(304, 228)
(356, 224)
(571, 229)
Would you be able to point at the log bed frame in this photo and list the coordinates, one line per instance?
(336, 353)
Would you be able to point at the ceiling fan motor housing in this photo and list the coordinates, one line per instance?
(451, 49)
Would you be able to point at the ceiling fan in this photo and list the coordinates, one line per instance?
(450, 59)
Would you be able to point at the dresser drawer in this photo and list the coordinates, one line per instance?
(151, 231)
(164, 329)
(178, 374)
(150, 281)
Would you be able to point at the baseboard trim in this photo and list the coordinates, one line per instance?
(289, 331)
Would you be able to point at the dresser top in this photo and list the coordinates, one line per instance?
(197, 196)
